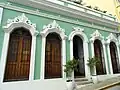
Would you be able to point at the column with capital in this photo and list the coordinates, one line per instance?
(105, 56)
(92, 54)
(109, 58)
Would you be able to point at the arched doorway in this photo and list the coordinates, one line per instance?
(114, 57)
(78, 54)
(18, 57)
(53, 56)
(98, 50)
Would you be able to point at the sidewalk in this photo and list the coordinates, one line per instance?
(102, 85)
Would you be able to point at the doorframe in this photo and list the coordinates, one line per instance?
(112, 38)
(53, 27)
(97, 35)
(17, 22)
(79, 32)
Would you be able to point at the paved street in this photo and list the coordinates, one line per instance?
(117, 87)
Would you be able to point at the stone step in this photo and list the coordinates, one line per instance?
(81, 86)
(80, 79)
(84, 82)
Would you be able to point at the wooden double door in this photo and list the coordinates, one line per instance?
(18, 57)
(100, 67)
(53, 57)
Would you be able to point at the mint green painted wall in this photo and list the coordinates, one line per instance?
(38, 58)
(40, 22)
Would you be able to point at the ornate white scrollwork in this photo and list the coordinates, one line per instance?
(53, 27)
(22, 19)
(96, 35)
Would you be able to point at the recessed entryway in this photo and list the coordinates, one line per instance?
(78, 54)
(98, 50)
(114, 58)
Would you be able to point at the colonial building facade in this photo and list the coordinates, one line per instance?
(39, 36)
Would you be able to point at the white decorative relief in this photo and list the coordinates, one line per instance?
(78, 29)
(53, 27)
(17, 22)
(20, 19)
(111, 37)
(96, 35)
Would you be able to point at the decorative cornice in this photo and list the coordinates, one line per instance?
(72, 12)
(20, 19)
(36, 12)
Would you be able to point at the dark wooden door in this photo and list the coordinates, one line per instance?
(98, 53)
(18, 59)
(53, 57)
(113, 57)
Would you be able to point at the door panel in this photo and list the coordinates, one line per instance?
(18, 60)
(53, 58)
(113, 57)
(100, 68)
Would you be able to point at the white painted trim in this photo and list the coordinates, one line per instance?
(106, 64)
(51, 28)
(63, 57)
(20, 21)
(42, 71)
(94, 36)
(92, 53)
(1, 14)
(79, 32)
(111, 38)
(38, 13)
(109, 59)
(4, 56)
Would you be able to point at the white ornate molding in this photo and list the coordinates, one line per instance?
(53, 27)
(20, 21)
(78, 31)
(17, 22)
(96, 35)
(111, 37)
